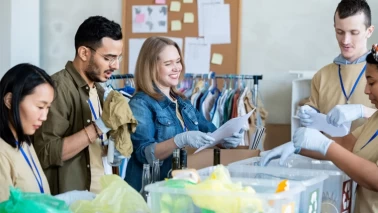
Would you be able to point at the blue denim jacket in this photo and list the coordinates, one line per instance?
(157, 122)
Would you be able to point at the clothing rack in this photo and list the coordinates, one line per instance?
(255, 78)
(121, 76)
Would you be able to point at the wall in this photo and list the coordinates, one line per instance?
(278, 36)
(20, 34)
(59, 22)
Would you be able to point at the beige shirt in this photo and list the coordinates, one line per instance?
(15, 171)
(326, 90)
(367, 200)
(95, 149)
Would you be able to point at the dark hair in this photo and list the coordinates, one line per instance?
(372, 57)
(93, 29)
(20, 80)
(347, 8)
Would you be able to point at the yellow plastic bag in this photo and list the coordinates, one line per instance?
(116, 196)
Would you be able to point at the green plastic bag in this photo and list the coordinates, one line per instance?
(27, 202)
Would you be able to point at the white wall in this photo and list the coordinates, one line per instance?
(59, 23)
(278, 36)
(20, 34)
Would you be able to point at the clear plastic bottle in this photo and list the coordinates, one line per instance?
(155, 171)
(146, 179)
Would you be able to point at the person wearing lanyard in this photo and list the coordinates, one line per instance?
(337, 89)
(356, 153)
(27, 92)
(166, 119)
(26, 95)
(69, 144)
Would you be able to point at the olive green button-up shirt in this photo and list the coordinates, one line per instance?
(68, 114)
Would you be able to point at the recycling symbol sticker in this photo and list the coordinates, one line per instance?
(313, 202)
(347, 197)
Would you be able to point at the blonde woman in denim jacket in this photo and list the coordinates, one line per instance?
(166, 119)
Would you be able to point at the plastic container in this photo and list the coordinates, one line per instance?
(285, 202)
(310, 198)
(337, 189)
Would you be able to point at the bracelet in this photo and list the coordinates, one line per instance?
(95, 126)
(90, 140)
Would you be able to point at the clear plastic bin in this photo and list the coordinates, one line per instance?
(310, 198)
(338, 190)
(285, 202)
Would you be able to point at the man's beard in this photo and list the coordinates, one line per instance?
(93, 72)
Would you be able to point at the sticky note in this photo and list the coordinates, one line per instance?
(217, 58)
(175, 6)
(139, 18)
(188, 18)
(176, 25)
(188, 1)
(159, 1)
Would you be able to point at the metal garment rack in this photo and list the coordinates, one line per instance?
(255, 78)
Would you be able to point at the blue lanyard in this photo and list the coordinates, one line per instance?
(38, 179)
(372, 138)
(355, 83)
(94, 112)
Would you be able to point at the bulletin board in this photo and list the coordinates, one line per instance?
(230, 52)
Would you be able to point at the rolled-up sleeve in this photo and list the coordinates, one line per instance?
(48, 140)
(145, 130)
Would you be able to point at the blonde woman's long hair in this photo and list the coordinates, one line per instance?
(146, 69)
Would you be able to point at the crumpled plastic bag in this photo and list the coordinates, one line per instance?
(28, 202)
(116, 196)
(220, 182)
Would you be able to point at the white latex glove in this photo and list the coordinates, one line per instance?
(311, 139)
(283, 152)
(101, 125)
(72, 196)
(195, 139)
(235, 139)
(345, 113)
(304, 115)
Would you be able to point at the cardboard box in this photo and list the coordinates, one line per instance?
(204, 158)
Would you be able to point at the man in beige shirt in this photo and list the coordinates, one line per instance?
(338, 88)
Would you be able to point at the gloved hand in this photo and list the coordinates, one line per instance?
(235, 139)
(72, 196)
(311, 139)
(345, 113)
(304, 115)
(283, 152)
(195, 139)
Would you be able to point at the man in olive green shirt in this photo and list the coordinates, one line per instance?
(69, 144)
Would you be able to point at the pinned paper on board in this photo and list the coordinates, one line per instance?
(175, 6)
(227, 130)
(201, 16)
(188, 1)
(176, 25)
(217, 23)
(188, 18)
(217, 59)
(160, 2)
(320, 123)
(149, 19)
(197, 55)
